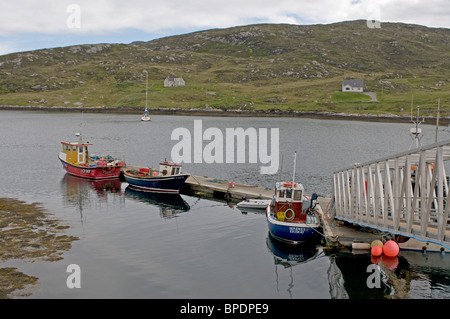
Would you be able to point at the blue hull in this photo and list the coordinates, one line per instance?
(292, 233)
(164, 184)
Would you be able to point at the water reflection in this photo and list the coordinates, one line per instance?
(355, 275)
(410, 275)
(79, 192)
(425, 276)
(288, 256)
(170, 205)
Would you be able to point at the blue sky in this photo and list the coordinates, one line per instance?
(29, 24)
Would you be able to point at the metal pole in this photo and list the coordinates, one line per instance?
(293, 175)
(437, 121)
(146, 88)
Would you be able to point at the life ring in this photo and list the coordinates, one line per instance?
(289, 218)
(289, 184)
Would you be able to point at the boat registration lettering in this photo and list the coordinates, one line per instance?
(86, 171)
(296, 230)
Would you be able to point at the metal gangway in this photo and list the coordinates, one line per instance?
(404, 194)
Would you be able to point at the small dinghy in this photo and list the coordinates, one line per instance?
(254, 204)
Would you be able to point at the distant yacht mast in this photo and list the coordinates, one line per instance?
(416, 132)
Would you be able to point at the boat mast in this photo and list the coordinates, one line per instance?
(281, 169)
(293, 175)
(416, 131)
(146, 88)
(437, 121)
(81, 124)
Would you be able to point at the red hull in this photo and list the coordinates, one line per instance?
(92, 172)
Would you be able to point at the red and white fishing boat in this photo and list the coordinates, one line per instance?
(76, 160)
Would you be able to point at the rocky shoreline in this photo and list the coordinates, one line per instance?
(243, 113)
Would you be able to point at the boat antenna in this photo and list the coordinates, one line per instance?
(281, 168)
(81, 126)
(293, 174)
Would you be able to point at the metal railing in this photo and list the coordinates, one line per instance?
(405, 194)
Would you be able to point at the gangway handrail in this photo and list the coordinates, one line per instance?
(405, 193)
(401, 154)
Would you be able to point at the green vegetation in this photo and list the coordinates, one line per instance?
(349, 97)
(258, 67)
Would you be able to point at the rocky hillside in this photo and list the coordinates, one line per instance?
(261, 67)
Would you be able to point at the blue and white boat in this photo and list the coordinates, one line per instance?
(146, 116)
(288, 220)
(168, 179)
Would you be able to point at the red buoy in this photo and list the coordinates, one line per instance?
(390, 262)
(375, 259)
(391, 249)
(376, 251)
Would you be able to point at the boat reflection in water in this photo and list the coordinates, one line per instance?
(291, 255)
(288, 256)
(78, 192)
(170, 204)
(73, 184)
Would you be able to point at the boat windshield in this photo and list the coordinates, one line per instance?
(287, 194)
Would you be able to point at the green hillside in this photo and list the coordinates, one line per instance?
(256, 67)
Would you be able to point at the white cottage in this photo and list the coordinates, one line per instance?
(172, 82)
(352, 86)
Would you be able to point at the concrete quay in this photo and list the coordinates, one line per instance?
(223, 189)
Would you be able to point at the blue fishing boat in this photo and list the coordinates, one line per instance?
(167, 179)
(288, 220)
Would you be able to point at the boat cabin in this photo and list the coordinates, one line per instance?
(75, 152)
(288, 202)
(167, 168)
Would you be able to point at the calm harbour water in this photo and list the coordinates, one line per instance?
(135, 246)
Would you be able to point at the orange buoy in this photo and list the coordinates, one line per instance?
(390, 262)
(376, 251)
(376, 243)
(391, 249)
(375, 259)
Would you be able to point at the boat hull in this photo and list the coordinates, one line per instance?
(254, 204)
(92, 172)
(292, 233)
(163, 184)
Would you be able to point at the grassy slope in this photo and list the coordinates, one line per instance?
(261, 67)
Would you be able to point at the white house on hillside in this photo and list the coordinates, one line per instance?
(172, 82)
(352, 86)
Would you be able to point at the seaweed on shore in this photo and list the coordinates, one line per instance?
(28, 232)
